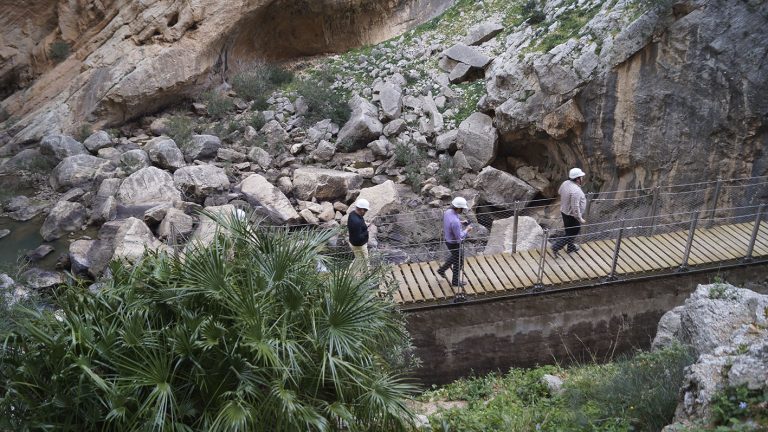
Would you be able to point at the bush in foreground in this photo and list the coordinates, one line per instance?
(240, 334)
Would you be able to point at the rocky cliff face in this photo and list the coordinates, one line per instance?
(674, 96)
(127, 58)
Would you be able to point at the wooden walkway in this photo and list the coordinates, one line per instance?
(504, 273)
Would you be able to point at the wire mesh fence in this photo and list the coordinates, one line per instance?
(531, 225)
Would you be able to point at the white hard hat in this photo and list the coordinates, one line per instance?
(459, 202)
(362, 203)
(575, 173)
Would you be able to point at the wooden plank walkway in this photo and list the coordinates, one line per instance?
(505, 272)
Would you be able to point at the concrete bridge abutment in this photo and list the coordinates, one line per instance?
(593, 322)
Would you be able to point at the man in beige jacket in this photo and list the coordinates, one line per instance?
(573, 203)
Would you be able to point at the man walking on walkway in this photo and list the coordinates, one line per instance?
(573, 203)
(358, 235)
(454, 236)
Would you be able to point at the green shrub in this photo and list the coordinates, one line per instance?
(242, 333)
(732, 405)
(83, 132)
(322, 101)
(632, 394)
(346, 145)
(414, 177)
(58, 51)
(257, 82)
(447, 173)
(406, 154)
(180, 130)
(471, 94)
(217, 104)
(641, 390)
(257, 121)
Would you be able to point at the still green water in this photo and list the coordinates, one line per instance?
(24, 237)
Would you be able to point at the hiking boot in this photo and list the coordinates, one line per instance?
(459, 298)
(442, 273)
(574, 248)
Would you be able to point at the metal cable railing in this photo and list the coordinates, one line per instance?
(612, 216)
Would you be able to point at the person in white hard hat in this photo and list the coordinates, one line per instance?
(573, 203)
(455, 234)
(358, 234)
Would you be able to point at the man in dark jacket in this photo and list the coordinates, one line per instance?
(358, 235)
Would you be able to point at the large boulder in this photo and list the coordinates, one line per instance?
(324, 151)
(324, 184)
(433, 122)
(477, 139)
(89, 258)
(201, 147)
(712, 314)
(502, 189)
(391, 100)
(80, 170)
(257, 190)
(64, 217)
(164, 153)
(260, 157)
(363, 125)
(199, 181)
(133, 239)
(61, 146)
(97, 141)
(28, 160)
(467, 55)
(148, 186)
(40, 279)
(383, 198)
(727, 329)
(134, 160)
(529, 235)
(208, 227)
(275, 135)
(175, 223)
(104, 207)
(21, 208)
(482, 33)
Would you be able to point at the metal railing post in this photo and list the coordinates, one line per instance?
(538, 286)
(616, 250)
(718, 188)
(689, 243)
(654, 209)
(755, 230)
(514, 226)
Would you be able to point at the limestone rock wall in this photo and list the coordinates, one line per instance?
(672, 96)
(128, 58)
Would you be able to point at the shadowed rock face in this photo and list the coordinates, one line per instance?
(128, 57)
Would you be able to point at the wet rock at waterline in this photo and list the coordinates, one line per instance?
(38, 253)
(80, 171)
(65, 217)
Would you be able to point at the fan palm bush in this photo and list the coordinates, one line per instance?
(239, 334)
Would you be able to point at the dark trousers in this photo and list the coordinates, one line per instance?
(455, 262)
(572, 228)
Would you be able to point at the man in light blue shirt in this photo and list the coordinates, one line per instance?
(454, 236)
